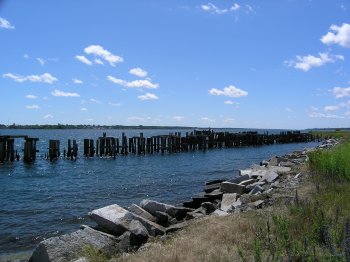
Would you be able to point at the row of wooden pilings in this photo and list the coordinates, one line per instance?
(107, 146)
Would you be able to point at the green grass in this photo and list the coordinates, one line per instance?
(317, 228)
(338, 133)
(332, 164)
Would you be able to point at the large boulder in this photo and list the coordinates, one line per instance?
(117, 220)
(153, 206)
(141, 212)
(227, 201)
(228, 187)
(269, 177)
(72, 246)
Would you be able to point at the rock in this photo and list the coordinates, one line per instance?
(239, 179)
(162, 218)
(287, 164)
(176, 227)
(117, 220)
(220, 213)
(247, 182)
(141, 212)
(297, 175)
(70, 247)
(199, 199)
(256, 204)
(273, 161)
(244, 172)
(153, 206)
(216, 194)
(227, 201)
(228, 187)
(237, 204)
(259, 183)
(264, 163)
(269, 177)
(209, 207)
(217, 203)
(113, 218)
(211, 187)
(128, 242)
(189, 204)
(256, 190)
(192, 215)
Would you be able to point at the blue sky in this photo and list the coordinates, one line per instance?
(258, 64)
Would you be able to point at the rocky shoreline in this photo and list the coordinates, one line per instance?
(121, 229)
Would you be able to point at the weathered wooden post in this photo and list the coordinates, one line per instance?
(54, 149)
(29, 151)
(86, 147)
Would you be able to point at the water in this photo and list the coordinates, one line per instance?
(47, 199)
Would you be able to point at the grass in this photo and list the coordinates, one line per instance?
(337, 133)
(315, 227)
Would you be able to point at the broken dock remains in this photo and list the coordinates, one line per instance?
(109, 146)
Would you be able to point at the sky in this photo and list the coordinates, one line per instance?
(250, 64)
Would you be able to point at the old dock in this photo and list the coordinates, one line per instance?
(108, 146)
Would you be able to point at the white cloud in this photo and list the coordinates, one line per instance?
(5, 24)
(83, 59)
(31, 97)
(41, 61)
(230, 91)
(114, 104)
(347, 113)
(48, 116)
(250, 9)
(331, 108)
(340, 35)
(138, 72)
(213, 9)
(26, 56)
(133, 84)
(288, 109)
(104, 54)
(83, 109)
(64, 94)
(77, 81)
(322, 115)
(235, 7)
(178, 118)
(32, 107)
(148, 96)
(229, 102)
(98, 61)
(44, 78)
(305, 63)
(95, 101)
(314, 108)
(340, 92)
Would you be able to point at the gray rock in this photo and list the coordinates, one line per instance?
(237, 204)
(256, 190)
(256, 204)
(211, 187)
(244, 172)
(176, 227)
(228, 187)
(153, 206)
(216, 194)
(269, 177)
(227, 201)
(141, 212)
(220, 213)
(162, 218)
(117, 220)
(259, 183)
(72, 246)
(247, 182)
(192, 215)
(209, 207)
